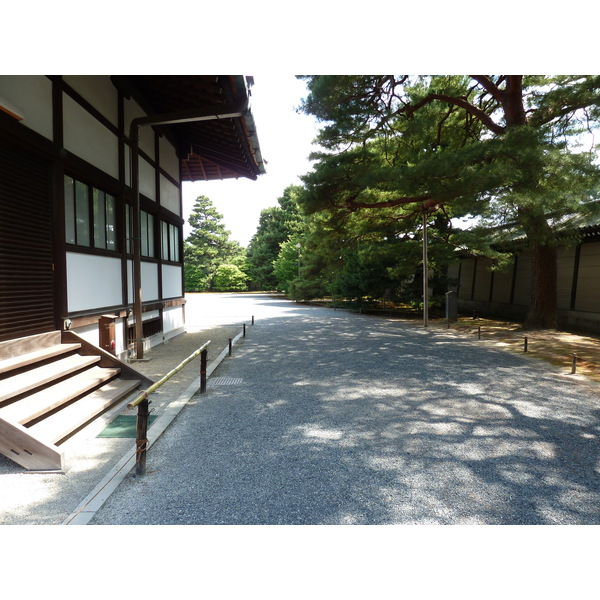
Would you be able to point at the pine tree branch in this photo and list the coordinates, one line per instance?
(425, 199)
(544, 118)
(488, 85)
(462, 103)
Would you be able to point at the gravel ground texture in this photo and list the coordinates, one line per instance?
(329, 417)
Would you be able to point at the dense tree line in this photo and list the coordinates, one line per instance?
(400, 153)
(279, 225)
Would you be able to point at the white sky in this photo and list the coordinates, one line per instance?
(285, 138)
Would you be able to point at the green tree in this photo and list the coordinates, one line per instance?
(286, 265)
(207, 247)
(500, 147)
(229, 278)
(275, 226)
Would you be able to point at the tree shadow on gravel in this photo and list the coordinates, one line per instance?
(364, 421)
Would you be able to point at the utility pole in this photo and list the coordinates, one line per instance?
(425, 274)
(298, 245)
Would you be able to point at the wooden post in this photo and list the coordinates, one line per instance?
(141, 441)
(574, 364)
(525, 344)
(203, 361)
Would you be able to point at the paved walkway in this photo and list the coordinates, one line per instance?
(328, 417)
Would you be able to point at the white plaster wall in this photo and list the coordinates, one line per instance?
(87, 138)
(92, 281)
(146, 133)
(120, 337)
(151, 314)
(30, 97)
(99, 91)
(173, 321)
(149, 281)
(146, 170)
(169, 196)
(147, 183)
(168, 158)
(171, 281)
(90, 333)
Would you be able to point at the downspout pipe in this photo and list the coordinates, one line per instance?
(223, 111)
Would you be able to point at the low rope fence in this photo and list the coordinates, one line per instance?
(571, 359)
(142, 402)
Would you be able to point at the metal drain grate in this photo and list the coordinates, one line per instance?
(224, 381)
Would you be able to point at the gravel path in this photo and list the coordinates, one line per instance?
(327, 417)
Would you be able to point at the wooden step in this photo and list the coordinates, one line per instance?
(57, 427)
(18, 346)
(26, 450)
(24, 382)
(40, 403)
(24, 360)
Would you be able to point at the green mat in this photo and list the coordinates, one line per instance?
(123, 426)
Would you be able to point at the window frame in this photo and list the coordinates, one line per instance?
(147, 234)
(170, 242)
(84, 229)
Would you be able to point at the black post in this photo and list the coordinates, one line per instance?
(141, 441)
(203, 361)
(244, 329)
(252, 319)
(525, 345)
(230, 346)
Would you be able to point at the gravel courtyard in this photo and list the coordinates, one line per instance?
(329, 417)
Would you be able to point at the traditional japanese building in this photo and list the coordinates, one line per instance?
(91, 248)
(84, 230)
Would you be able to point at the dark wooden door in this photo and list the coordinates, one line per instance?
(26, 248)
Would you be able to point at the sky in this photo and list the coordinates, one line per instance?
(285, 138)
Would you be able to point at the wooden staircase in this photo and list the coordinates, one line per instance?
(52, 385)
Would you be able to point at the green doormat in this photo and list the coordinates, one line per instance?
(123, 426)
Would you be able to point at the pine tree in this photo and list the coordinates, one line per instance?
(501, 147)
(207, 247)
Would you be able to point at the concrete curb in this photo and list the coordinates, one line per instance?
(90, 505)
